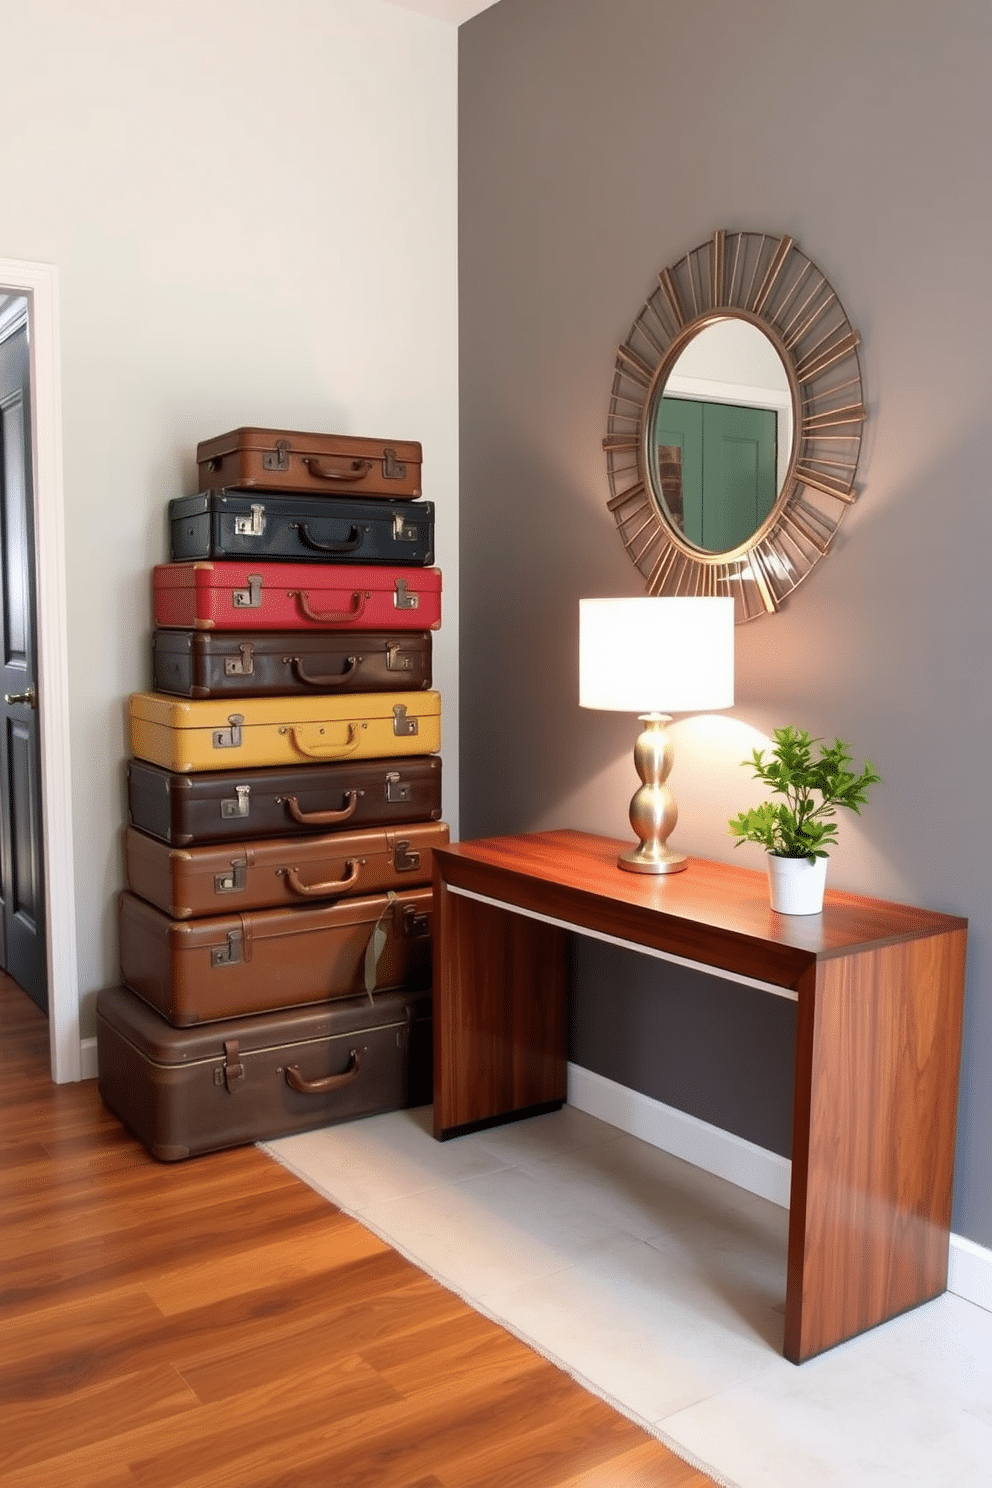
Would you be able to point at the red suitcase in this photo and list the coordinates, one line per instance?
(183, 1091)
(210, 880)
(295, 596)
(229, 966)
(331, 464)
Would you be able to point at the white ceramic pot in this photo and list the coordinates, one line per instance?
(796, 884)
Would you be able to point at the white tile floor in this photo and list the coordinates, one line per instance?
(662, 1288)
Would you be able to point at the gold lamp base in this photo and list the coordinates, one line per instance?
(653, 812)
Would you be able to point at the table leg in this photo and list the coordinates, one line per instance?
(499, 1014)
(878, 1048)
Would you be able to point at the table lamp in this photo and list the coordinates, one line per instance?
(644, 656)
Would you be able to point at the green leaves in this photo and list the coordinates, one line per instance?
(814, 787)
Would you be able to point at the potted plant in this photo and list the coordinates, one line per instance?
(815, 780)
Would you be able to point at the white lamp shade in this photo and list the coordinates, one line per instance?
(656, 655)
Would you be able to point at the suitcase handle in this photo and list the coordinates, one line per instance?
(335, 886)
(329, 751)
(298, 1081)
(324, 679)
(330, 617)
(350, 543)
(322, 818)
(359, 470)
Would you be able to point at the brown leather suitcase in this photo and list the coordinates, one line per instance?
(187, 1091)
(188, 881)
(225, 663)
(334, 464)
(233, 965)
(238, 805)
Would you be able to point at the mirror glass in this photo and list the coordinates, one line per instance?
(720, 435)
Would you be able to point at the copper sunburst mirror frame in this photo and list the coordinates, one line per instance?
(768, 281)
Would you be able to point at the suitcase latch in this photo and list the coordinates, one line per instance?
(415, 922)
(235, 881)
(398, 660)
(405, 861)
(230, 954)
(392, 469)
(250, 598)
(277, 459)
(238, 804)
(242, 665)
(234, 1070)
(402, 725)
(396, 789)
(403, 531)
(252, 526)
(229, 738)
(403, 599)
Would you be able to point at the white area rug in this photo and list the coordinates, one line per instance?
(660, 1288)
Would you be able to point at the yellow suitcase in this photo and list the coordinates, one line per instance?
(210, 734)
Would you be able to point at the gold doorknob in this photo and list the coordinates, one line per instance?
(20, 697)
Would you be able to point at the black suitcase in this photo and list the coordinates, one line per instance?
(191, 1090)
(231, 663)
(236, 805)
(301, 529)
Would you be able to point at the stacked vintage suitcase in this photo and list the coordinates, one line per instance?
(284, 798)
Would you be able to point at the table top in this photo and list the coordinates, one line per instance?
(714, 913)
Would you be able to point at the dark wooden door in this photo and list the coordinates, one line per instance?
(22, 928)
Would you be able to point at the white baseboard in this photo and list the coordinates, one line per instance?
(727, 1156)
(87, 1059)
(969, 1272)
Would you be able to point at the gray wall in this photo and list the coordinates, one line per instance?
(599, 141)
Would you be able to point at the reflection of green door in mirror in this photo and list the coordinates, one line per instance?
(727, 454)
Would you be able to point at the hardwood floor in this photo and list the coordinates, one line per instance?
(217, 1324)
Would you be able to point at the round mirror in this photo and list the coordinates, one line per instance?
(735, 423)
(720, 435)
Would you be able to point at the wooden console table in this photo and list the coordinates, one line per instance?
(879, 987)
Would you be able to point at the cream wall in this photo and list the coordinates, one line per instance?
(600, 140)
(251, 205)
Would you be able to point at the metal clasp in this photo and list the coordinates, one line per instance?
(403, 531)
(415, 922)
(392, 469)
(252, 526)
(398, 660)
(229, 738)
(397, 790)
(242, 665)
(405, 860)
(403, 599)
(403, 726)
(230, 954)
(277, 459)
(238, 804)
(235, 881)
(250, 598)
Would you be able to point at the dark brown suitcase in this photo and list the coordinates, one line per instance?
(230, 966)
(286, 460)
(187, 1091)
(237, 805)
(201, 663)
(188, 881)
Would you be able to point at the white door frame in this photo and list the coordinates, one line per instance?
(39, 282)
